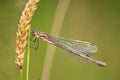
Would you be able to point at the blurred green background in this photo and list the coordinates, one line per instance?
(96, 21)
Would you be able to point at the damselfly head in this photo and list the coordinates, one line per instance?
(35, 32)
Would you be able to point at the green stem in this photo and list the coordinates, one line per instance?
(21, 74)
(28, 55)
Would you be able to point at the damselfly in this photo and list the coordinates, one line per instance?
(78, 48)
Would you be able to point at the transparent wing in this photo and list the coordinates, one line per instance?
(76, 45)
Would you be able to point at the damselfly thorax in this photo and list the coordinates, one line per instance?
(42, 36)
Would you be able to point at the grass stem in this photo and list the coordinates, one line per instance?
(21, 74)
(28, 55)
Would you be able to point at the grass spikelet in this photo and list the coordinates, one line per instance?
(23, 27)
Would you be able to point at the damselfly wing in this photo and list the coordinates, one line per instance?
(82, 47)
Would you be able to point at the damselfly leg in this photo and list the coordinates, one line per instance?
(34, 42)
